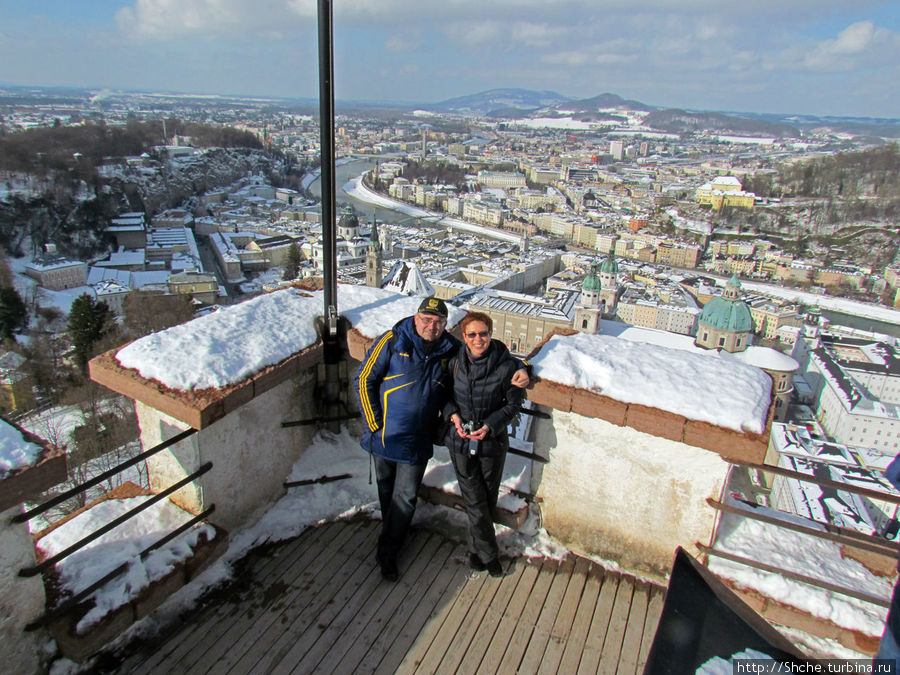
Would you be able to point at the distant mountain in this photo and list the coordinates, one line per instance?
(603, 102)
(674, 120)
(493, 100)
(679, 121)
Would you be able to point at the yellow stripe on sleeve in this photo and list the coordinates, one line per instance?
(368, 411)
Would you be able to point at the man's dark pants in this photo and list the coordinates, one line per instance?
(398, 487)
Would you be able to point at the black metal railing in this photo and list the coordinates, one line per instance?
(73, 601)
(96, 480)
(84, 541)
(828, 531)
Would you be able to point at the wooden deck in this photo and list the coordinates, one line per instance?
(318, 604)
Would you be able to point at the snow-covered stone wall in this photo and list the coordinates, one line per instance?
(623, 494)
(250, 452)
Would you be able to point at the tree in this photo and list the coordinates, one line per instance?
(13, 315)
(292, 262)
(147, 312)
(89, 322)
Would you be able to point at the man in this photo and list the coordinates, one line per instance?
(402, 386)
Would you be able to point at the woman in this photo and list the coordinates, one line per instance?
(481, 404)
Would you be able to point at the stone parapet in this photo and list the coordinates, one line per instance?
(29, 482)
(731, 445)
(201, 408)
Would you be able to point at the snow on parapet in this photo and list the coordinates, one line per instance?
(725, 393)
(16, 452)
(228, 346)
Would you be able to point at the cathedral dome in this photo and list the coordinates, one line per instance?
(348, 219)
(730, 315)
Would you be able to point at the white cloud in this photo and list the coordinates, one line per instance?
(407, 41)
(860, 44)
(164, 19)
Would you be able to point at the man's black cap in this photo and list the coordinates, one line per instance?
(434, 306)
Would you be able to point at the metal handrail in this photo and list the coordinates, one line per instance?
(831, 533)
(881, 602)
(78, 489)
(73, 601)
(49, 562)
(824, 482)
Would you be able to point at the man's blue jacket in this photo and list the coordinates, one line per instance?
(401, 390)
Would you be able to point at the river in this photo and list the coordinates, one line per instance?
(342, 174)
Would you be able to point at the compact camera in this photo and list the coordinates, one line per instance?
(468, 428)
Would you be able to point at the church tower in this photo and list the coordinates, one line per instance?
(609, 285)
(373, 258)
(589, 310)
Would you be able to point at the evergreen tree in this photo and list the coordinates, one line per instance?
(89, 321)
(13, 315)
(292, 263)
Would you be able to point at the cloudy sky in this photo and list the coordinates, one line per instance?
(789, 56)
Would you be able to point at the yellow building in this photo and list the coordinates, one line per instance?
(16, 390)
(725, 191)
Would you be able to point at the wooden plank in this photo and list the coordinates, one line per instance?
(521, 636)
(363, 620)
(612, 646)
(213, 615)
(540, 635)
(581, 623)
(493, 655)
(419, 598)
(426, 620)
(325, 594)
(565, 616)
(366, 652)
(430, 661)
(593, 646)
(490, 623)
(281, 588)
(634, 628)
(473, 622)
(651, 622)
(215, 618)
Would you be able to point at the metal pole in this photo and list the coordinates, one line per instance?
(326, 143)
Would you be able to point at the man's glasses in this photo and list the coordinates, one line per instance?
(481, 334)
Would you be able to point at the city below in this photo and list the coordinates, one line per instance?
(701, 250)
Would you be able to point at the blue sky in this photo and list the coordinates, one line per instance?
(788, 56)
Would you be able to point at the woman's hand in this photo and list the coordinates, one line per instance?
(457, 422)
(481, 434)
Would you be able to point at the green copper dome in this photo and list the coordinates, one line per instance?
(591, 282)
(731, 315)
(609, 266)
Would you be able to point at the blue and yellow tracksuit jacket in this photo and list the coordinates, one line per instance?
(401, 390)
